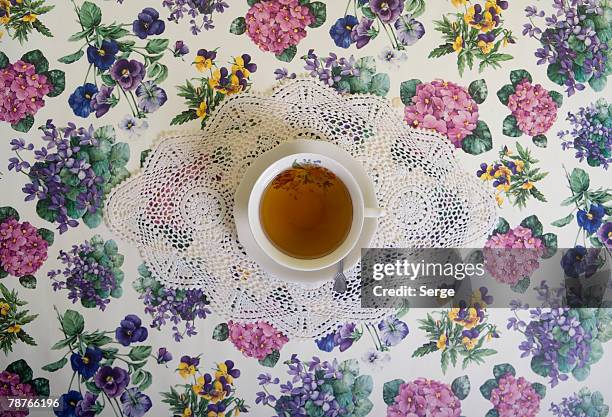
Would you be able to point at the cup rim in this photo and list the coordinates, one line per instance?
(262, 240)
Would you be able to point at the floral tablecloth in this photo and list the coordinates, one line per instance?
(86, 86)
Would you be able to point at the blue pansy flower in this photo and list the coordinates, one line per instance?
(327, 343)
(67, 404)
(148, 23)
(104, 56)
(86, 365)
(80, 100)
(341, 31)
(592, 220)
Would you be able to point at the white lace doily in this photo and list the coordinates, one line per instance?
(178, 209)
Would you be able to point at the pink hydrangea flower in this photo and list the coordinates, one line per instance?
(444, 107)
(515, 397)
(256, 340)
(11, 387)
(21, 91)
(22, 249)
(275, 25)
(533, 107)
(423, 398)
(512, 256)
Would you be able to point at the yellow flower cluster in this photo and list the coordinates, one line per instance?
(4, 308)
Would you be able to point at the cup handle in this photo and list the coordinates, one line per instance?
(374, 212)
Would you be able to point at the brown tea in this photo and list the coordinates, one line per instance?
(306, 211)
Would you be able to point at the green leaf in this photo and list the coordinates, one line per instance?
(502, 226)
(221, 332)
(43, 211)
(521, 286)
(557, 98)
(363, 385)
(90, 15)
(517, 76)
(319, 11)
(414, 7)
(8, 213)
(238, 26)
(540, 141)
(139, 353)
(487, 387)
(288, 54)
(41, 386)
(598, 84)
(156, 46)
(540, 389)
(510, 127)
(92, 220)
(252, 2)
(555, 74)
(492, 413)
(24, 124)
(479, 141)
(564, 221)
(380, 84)
(73, 323)
(391, 390)
(408, 90)
(579, 181)
(478, 90)
(550, 242)
(120, 154)
(581, 374)
(504, 93)
(363, 406)
(69, 59)
(92, 387)
(538, 366)
(55, 366)
(37, 59)
(4, 61)
(22, 369)
(28, 281)
(461, 387)
(533, 223)
(57, 78)
(270, 360)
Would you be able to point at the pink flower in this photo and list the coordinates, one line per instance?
(11, 387)
(423, 398)
(444, 107)
(275, 25)
(533, 107)
(22, 249)
(256, 340)
(21, 91)
(512, 256)
(515, 397)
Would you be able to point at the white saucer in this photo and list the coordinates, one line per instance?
(241, 199)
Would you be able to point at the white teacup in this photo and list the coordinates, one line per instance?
(359, 212)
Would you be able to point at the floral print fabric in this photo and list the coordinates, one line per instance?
(519, 88)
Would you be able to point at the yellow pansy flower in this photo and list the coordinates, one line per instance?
(499, 200)
(458, 44)
(469, 343)
(187, 412)
(441, 343)
(30, 17)
(528, 185)
(485, 47)
(201, 112)
(185, 370)
(458, 3)
(202, 64)
(239, 66)
(4, 308)
(222, 372)
(14, 329)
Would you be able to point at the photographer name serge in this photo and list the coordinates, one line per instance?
(412, 271)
